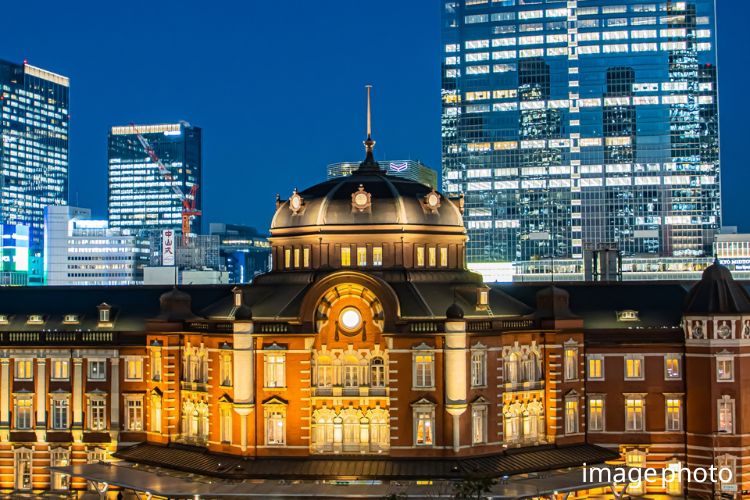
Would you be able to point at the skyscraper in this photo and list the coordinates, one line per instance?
(140, 197)
(569, 124)
(34, 120)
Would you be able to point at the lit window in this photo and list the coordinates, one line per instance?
(571, 363)
(635, 458)
(727, 466)
(726, 414)
(571, 415)
(97, 413)
(674, 414)
(324, 372)
(432, 257)
(59, 457)
(104, 315)
(424, 423)
(377, 256)
(275, 418)
(361, 256)
(60, 369)
(225, 423)
(275, 370)
(478, 424)
(634, 413)
(24, 369)
(674, 477)
(156, 364)
(420, 256)
(478, 368)
(483, 296)
(155, 414)
(596, 413)
(287, 258)
(724, 368)
(346, 256)
(24, 411)
(672, 366)
(443, 257)
(596, 367)
(133, 369)
(60, 412)
(424, 367)
(296, 257)
(225, 374)
(97, 369)
(134, 413)
(23, 468)
(377, 372)
(633, 367)
(306, 257)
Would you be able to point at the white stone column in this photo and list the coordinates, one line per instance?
(456, 379)
(4, 398)
(244, 376)
(77, 399)
(114, 403)
(41, 392)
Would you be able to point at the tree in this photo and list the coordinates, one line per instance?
(472, 488)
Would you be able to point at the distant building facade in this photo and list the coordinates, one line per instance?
(197, 261)
(140, 197)
(14, 268)
(82, 251)
(245, 252)
(408, 169)
(34, 125)
(568, 124)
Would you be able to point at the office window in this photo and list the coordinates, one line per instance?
(346, 256)
(674, 414)
(571, 363)
(478, 368)
(225, 423)
(443, 257)
(377, 256)
(478, 424)
(59, 457)
(361, 256)
(596, 413)
(60, 369)
(97, 413)
(420, 256)
(424, 370)
(571, 414)
(225, 371)
(275, 369)
(22, 458)
(672, 366)
(432, 257)
(596, 367)
(134, 413)
(97, 369)
(726, 414)
(275, 427)
(24, 411)
(633, 367)
(24, 369)
(60, 413)
(133, 369)
(424, 423)
(634, 415)
(724, 368)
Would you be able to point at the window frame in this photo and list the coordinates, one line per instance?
(678, 359)
(17, 413)
(725, 358)
(572, 401)
(730, 404)
(424, 413)
(478, 379)
(274, 368)
(90, 412)
(670, 420)
(138, 360)
(59, 369)
(58, 409)
(567, 375)
(641, 364)
(597, 358)
(480, 410)
(640, 424)
(133, 402)
(416, 364)
(17, 363)
(93, 362)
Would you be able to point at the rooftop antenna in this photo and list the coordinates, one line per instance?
(369, 163)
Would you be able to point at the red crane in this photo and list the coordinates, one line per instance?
(188, 200)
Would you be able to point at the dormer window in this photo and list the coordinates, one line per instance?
(35, 319)
(237, 292)
(483, 297)
(104, 313)
(627, 315)
(4, 320)
(71, 319)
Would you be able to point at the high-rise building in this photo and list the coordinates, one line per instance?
(34, 121)
(408, 169)
(80, 250)
(245, 252)
(570, 124)
(140, 197)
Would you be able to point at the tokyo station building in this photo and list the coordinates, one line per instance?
(371, 356)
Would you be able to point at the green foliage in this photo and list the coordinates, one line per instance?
(472, 488)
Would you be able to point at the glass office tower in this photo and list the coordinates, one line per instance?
(140, 197)
(408, 169)
(34, 122)
(569, 124)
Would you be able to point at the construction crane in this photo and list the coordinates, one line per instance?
(188, 201)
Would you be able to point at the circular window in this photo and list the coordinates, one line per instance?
(350, 318)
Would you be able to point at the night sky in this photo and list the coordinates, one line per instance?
(278, 88)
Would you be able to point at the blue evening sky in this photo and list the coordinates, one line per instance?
(277, 87)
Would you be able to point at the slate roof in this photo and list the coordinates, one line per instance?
(717, 293)
(517, 461)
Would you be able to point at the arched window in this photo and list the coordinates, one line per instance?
(511, 428)
(324, 372)
(351, 372)
(530, 371)
(323, 430)
(380, 430)
(377, 372)
(511, 369)
(351, 421)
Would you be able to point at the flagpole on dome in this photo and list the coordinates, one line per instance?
(369, 163)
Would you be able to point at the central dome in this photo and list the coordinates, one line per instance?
(367, 197)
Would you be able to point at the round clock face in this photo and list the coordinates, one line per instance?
(350, 318)
(432, 200)
(360, 199)
(725, 332)
(296, 202)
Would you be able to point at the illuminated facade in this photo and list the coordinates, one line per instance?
(34, 123)
(569, 124)
(408, 169)
(140, 197)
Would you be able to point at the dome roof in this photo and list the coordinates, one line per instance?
(176, 305)
(717, 293)
(392, 200)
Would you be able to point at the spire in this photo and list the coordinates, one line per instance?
(369, 163)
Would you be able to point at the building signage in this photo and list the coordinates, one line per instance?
(167, 247)
(398, 166)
